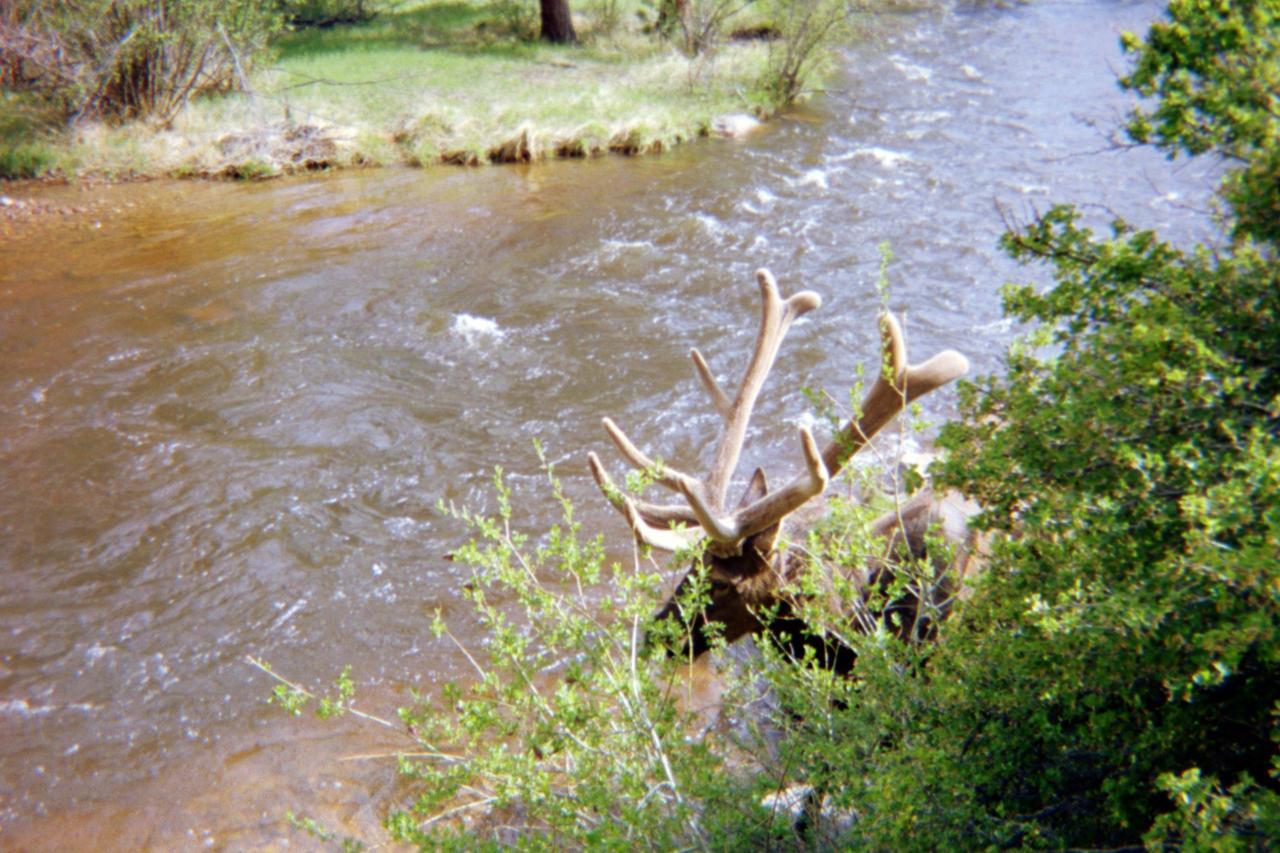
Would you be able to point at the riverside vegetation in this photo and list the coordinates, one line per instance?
(251, 88)
(1112, 682)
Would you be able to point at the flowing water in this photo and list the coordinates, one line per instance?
(227, 412)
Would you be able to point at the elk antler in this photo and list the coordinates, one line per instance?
(895, 387)
(656, 524)
(705, 498)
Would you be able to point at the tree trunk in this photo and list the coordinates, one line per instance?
(671, 16)
(557, 25)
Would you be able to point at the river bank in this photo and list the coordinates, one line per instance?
(422, 84)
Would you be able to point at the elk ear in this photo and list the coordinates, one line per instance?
(756, 489)
(764, 541)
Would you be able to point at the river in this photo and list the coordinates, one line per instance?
(228, 411)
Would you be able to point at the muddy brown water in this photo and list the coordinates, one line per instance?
(228, 411)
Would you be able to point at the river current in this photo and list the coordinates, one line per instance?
(228, 411)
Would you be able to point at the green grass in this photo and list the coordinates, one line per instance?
(442, 81)
(25, 151)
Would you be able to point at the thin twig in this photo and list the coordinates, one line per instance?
(235, 62)
(456, 810)
(265, 667)
(370, 756)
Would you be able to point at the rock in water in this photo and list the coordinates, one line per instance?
(734, 125)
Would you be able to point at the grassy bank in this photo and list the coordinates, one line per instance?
(442, 81)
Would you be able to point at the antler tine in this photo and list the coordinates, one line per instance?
(706, 498)
(896, 385)
(718, 398)
(668, 477)
(648, 528)
(776, 506)
(665, 538)
(771, 508)
(658, 515)
(776, 317)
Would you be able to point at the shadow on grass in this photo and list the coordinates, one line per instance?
(492, 29)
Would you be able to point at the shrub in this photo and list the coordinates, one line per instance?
(22, 152)
(1215, 69)
(325, 13)
(701, 23)
(25, 160)
(1117, 675)
(517, 19)
(129, 58)
(807, 33)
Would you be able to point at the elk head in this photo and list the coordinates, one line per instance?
(739, 553)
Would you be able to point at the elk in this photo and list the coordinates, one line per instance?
(748, 573)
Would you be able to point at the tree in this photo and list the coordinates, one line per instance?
(131, 58)
(557, 22)
(1116, 678)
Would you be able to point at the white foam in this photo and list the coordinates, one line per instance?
(928, 116)
(814, 178)
(97, 652)
(402, 526)
(279, 620)
(807, 420)
(883, 156)
(910, 70)
(618, 245)
(709, 222)
(1002, 325)
(473, 330)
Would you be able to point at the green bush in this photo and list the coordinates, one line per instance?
(808, 33)
(25, 160)
(1215, 69)
(325, 13)
(23, 153)
(1117, 675)
(129, 58)
(699, 25)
